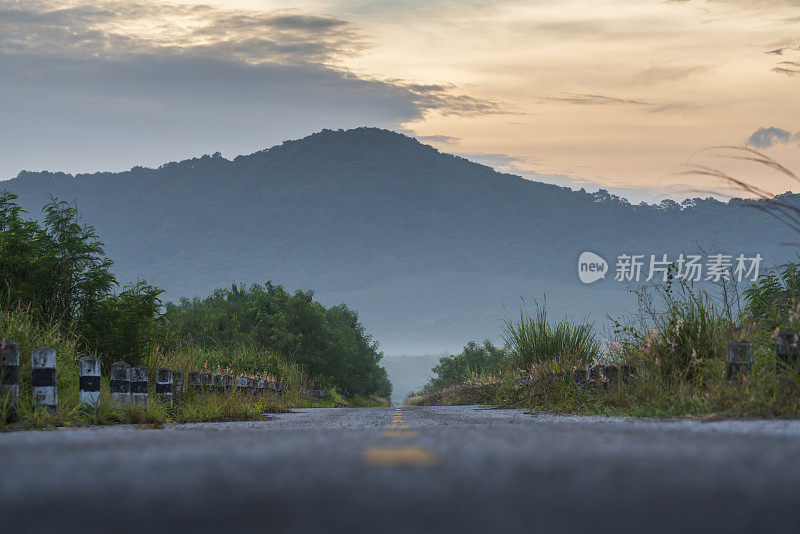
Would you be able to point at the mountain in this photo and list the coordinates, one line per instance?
(427, 246)
(409, 373)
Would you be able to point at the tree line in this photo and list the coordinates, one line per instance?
(58, 269)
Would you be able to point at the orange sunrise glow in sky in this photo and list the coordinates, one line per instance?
(591, 94)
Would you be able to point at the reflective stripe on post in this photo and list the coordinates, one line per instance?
(120, 383)
(43, 378)
(9, 370)
(139, 385)
(164, 385)
(89, 381)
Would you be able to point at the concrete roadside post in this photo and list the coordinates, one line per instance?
(43, 378)
(206, 382)
(740, 359)
(241, 384)
(580, 376)
(120, 383)
(139, 385)
(611, 372)
(628, 372)
(194, 382)
(9, 370)
(787, 348)
(164, 380)
(595, 379)
(178, 382)
(89, 381)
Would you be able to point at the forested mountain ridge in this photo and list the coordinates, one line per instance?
(425, 245)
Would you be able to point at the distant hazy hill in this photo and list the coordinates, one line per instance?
(425, 245)
(409, 372)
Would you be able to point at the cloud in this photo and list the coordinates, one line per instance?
(114, 32)
(677, 108)
(788, 47)
(81, 115)
(443, 99)
(117, 84)
(789, 68)
(504, 162)
(767, 137)
(120, 29)
(437, 139)
(524, 166)
(594, 100)
(669, 73)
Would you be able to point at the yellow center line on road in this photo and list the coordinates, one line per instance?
(399, 434)
(414, 455)
(410, 455)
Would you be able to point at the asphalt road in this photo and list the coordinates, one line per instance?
(426, 469)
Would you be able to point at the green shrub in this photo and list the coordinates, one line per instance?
(474, 360)
(329, 344)
(534, 339)
(775, 296)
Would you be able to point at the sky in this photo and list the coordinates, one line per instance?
(597, 94)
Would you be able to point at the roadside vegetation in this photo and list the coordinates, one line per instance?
(671, 357)
(677, 343)
(57, 290)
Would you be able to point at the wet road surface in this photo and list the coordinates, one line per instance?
(406, 469)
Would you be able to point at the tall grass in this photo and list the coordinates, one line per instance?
(23, 327)
(679, 349)
(689, 332)
(534, 339)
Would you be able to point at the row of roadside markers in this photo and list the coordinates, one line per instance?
(740, 361)
(127, 385)
(594, 377)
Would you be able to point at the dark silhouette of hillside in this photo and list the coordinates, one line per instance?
(425, 245)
